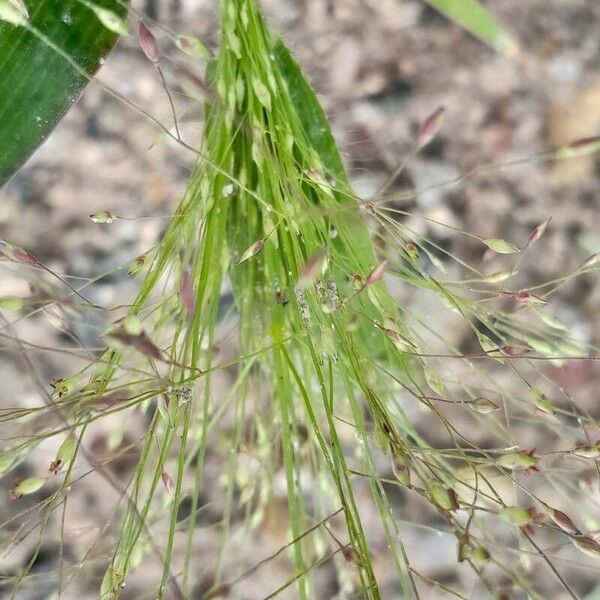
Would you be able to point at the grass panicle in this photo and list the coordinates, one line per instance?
(272, 254)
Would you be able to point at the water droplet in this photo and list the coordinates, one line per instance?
(67, 17)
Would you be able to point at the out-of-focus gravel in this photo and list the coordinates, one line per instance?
(380, 67)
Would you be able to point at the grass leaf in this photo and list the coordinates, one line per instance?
(37, 83)
(476, 19)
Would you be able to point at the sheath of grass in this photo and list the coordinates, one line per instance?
(328, 364)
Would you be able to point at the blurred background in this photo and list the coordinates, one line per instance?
(380, 67)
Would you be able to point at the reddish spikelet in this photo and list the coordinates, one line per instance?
(538, 232)
(148, 43)
(563, 521)
(592, 451)
(510, 350)
(526, 297)
(587, 545)
(429, 128)
(168, 483)
(377, 273)
(17, 254)
(312, 268)
(24, 257)
(351, 555)
(186, 291)
(583, 142)
(251, 251)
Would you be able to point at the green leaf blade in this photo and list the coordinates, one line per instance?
(311, 114)
(477, 20)
(37, 84)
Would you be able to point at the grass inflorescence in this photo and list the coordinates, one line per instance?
(328, 367)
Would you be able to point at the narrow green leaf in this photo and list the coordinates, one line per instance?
(311, 114)
(108, 18)
(476, 19)
(38, 81)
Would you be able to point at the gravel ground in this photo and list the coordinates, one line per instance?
(380, 67)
